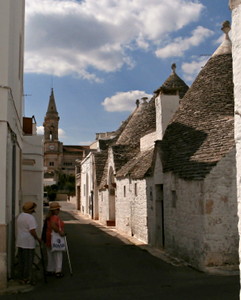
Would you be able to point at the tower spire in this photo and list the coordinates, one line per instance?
(51, 121)
(52, 109)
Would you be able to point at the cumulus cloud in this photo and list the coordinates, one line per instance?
(180, 45)
(66, 37)
(40, 130)
(61, 132)
(192, 69)
(123, 101)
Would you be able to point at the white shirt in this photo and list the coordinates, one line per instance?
(25, 223)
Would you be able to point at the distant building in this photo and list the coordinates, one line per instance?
(58, 158)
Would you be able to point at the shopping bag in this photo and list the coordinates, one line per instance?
(57, 242)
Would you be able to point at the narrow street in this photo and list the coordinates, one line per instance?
(105, 267)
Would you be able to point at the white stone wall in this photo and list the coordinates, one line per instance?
(103, 206)
(200, 217)
(131, 208)
(87, 185)
(166, 106)
(220, 214)
(148, 141)
(107, 197)
(11, 91)
(32, 174)
(235, 5)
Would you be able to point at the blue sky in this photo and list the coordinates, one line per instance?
(102, 55)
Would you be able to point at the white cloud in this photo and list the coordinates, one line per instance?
(180, 45)
(123, 101)
(61, 132)
(192, 69)
(75, 37)
(40, 130)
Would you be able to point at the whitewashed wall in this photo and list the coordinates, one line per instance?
(166, 106)
(11, 91)
(235, 6)
(131, 209)
(32, 174)
(200, 217)
(87, 185)
(148, 141)
(103, 206)
(220, 213)
(107, 210)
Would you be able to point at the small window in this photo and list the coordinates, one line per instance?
(174, 199)
(135, 188)
(124, 191)
(151, 194)
(51, 163)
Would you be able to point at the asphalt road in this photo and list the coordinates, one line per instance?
(104, 267)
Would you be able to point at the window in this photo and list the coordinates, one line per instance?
(151, 194)
(135, 188)
(174, 199)
(51, 163)
(124, 191)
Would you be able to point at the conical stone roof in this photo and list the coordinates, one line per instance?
(173, 85)
(202, 130)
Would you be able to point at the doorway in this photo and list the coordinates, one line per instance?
(159, 217)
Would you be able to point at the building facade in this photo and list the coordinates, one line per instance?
(235, 6)
(11, 91)
(197, 155)
(20, 148)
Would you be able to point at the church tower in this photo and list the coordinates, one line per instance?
(52, 147)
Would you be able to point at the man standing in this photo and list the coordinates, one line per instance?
(26, 241)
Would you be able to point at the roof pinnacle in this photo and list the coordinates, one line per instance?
(226, 46)
(226, 27)
(174, 68)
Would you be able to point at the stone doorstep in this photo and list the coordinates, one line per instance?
(224, 270)
(110, 223)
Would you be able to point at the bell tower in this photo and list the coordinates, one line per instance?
(52, 146)
(51, 121)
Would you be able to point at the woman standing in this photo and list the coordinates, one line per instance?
(26, 241)
(54, 223)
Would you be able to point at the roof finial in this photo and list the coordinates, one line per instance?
(226, 46)
(226, 27)
(144, 99)
(174, 68)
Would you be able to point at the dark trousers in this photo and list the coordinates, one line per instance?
(26, 257)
